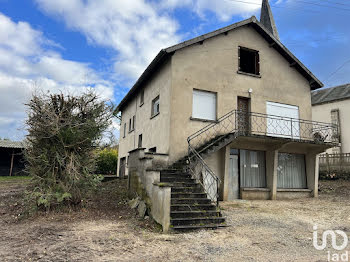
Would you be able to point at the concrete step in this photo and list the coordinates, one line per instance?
(196, 221)
(193, 214)
(188, 207)
(184, 228)
(176, 175)
(172, 179)
(193, 189)
(172, 171)
(184, 184)
(188, 195)
(191, 201)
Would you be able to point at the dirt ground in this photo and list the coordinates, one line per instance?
(107, 230)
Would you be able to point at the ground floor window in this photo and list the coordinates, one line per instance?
(252, 168)
(291, 171)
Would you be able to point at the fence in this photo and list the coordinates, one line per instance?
(335, 163)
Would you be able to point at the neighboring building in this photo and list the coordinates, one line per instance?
(11, 158)
(242, 101)
(333, 105)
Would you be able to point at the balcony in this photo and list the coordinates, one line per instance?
(263, 126)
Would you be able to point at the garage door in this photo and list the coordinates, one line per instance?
(283, 120)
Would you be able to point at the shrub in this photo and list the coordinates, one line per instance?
(107, 161)
(63, 132)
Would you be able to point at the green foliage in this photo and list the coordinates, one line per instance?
(107, 161)
(63, 132)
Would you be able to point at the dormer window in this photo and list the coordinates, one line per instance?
(248, 61)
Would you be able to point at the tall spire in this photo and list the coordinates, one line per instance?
(266, 18)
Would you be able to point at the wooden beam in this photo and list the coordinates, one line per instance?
(11, 167)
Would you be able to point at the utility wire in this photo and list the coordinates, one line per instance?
(252, 3)
(317, 4)
(291, 8)
(336, 71)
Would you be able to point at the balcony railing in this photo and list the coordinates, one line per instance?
(262, 125)
(243, 123)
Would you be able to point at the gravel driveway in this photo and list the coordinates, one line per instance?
(258, 231)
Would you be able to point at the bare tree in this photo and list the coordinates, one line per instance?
(63, 132)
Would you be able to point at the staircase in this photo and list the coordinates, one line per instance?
(208, 148)
(190, 207)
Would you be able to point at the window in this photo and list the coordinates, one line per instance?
(204, 105)
(140, 141)
(336, 122)
(142, 97)
(152, 150)
(291, 171)
(131, 124)
(155, 106)
(283, 120)
(124, 131)
(249, 61)
(252, 168)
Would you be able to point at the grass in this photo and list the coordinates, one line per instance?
(14, 178)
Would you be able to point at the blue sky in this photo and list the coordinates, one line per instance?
(72, 45)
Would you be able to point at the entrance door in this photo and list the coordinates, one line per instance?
(233, 180)
(243, 114)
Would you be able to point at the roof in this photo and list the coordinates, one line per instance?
(11, 144)
(164, 54)
(330, 94)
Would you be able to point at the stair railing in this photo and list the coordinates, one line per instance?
(243, 123)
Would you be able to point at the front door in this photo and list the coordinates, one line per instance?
(243, 114)
(233, 179)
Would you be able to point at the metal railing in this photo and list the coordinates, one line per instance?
(243, 123)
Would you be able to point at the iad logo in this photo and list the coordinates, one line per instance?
(333, 236)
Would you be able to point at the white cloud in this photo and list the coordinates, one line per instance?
(133, 29)
(30, 62)
(136, 29)
(223, 9)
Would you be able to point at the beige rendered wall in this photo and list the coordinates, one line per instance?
(155, 131)
(322, 113)
(213, 66)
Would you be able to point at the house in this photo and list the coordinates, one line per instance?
(229, 112)
(11, 158)
(333, 105)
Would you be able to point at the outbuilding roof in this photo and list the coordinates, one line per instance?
(332, 94)
(11, 144)
(273, 41)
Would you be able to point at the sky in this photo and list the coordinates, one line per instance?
(75, 45)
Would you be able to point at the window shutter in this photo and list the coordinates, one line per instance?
(204, 105)
(257, 63)
(239, 58)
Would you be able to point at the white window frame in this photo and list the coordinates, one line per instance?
(155, 106)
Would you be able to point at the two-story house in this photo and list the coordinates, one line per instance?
(238, 103)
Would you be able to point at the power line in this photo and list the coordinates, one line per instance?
(335, 3)
(317, 4)
(291, 8)
(336, 71)
(252, 3)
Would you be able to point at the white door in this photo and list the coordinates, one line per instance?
(283, 120)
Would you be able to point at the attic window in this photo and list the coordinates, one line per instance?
(248, 61)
